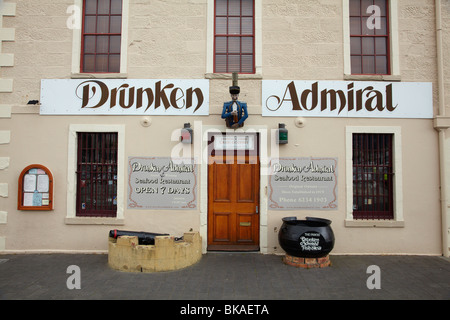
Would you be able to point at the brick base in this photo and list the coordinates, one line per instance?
(307, 263)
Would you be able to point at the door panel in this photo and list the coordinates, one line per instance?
(245, 192)
(233, 201)
(222, 189)
(244, 230)
(222, 227)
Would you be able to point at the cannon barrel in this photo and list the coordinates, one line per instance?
(144, 238)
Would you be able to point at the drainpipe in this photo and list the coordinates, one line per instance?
(441, 130)
(445, 251)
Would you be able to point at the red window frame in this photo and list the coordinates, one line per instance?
(369, 45)
(97, 174)
(373, 196)
(101, 36)
(229, 52)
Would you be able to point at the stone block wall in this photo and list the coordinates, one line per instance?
(125, 254)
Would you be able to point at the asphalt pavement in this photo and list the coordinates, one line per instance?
(245, 278)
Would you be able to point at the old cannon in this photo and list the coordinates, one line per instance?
(144, 238)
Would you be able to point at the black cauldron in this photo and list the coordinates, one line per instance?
(310, 238)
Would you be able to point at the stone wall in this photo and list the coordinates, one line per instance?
(125, 254)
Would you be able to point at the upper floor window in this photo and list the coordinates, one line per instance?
(369, 37)
(234, 36)
(101, 36)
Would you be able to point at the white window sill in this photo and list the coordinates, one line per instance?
(99, 76)
(372, 77)
(94, 221)
(227, 76)
(375, 223)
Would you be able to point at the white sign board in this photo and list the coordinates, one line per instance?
(234, 142)
(303, 183)
(162, 183)
(369, 99)
(125, 97)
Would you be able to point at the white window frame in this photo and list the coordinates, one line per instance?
(393, 44)
(397, 183)
(71, 217)
(210, 45)
(76, 46)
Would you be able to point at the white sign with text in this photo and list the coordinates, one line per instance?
(303, 183)
(173, 97)
(369, 99)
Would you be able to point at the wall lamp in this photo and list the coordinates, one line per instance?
(186, 134)
(282, 136)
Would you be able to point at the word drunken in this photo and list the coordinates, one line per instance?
(95, 94)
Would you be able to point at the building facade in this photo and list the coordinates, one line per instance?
(112, 117)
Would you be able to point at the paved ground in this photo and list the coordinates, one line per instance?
(226, 276)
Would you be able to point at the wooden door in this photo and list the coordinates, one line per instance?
(233, 204)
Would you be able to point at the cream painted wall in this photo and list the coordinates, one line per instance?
(48, 231)
(300, 40)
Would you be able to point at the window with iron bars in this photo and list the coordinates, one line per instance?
(373, 176)
(97, 174)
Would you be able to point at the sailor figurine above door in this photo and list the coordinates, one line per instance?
(234, 112)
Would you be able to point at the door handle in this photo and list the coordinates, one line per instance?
(257, 210)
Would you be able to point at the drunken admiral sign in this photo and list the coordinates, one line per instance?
(162, 183)
(125, 97)
(369, 99)
(303, 183)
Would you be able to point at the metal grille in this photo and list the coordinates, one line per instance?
(97, 174)
(372, 176)
(369, 41)
(101, 36)
(234, 41)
